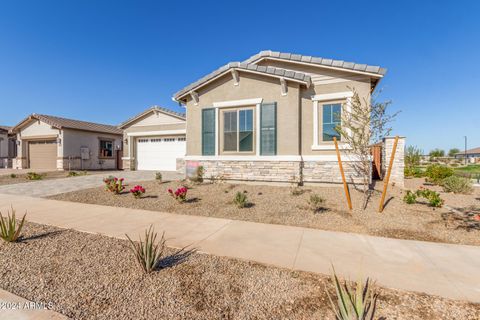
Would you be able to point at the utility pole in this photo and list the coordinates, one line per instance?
(465, 149)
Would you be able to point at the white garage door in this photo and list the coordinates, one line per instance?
(160, 153)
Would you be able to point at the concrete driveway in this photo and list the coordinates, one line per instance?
(45, 188)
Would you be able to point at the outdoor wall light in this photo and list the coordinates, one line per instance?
(59, 141)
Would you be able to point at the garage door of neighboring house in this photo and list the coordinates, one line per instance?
(42, 154)
(160, 153)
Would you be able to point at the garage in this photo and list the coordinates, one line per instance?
(42, 154)
(159, 152)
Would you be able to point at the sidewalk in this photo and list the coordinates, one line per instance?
(446, 270)
(18, 308)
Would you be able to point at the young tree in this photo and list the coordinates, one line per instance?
(453, 151)
(364, 123)
(435, 153)
(413, 156)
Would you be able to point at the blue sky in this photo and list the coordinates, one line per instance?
(105, 61)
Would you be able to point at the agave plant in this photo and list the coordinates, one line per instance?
(354, 301)
(9, 231)
(148, 252)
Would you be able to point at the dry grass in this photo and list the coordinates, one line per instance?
(88, 276)
(276, 205)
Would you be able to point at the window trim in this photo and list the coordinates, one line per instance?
(254, 131)
(344, 98)
(112, 141)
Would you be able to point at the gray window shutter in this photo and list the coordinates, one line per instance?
(268, 129)
(208, 132)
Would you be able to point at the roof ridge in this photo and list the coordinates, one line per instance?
(71, 119)
(341, 64)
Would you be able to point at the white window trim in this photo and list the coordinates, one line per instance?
(237, 111)
(156, 133)
(332, 96)
(237, 103)
(327, 97)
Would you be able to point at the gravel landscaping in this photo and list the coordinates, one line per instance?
(22, 177)
(277, 205)
(89, 276)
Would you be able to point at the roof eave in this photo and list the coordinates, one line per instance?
(178, 97)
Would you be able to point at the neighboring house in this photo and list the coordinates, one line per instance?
(8, 147)
(49, 142)
(154, 140)
(272, 117)
(473, 154)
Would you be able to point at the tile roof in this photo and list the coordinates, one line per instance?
(61, 123)
(5, 128)
(154, 108)
(248, 67)
(318, 61)
(471, 151)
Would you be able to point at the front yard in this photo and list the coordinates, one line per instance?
(15, 178)
(281, 205)
(89, 276)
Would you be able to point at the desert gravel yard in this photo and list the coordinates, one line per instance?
(89, 276)
(22, 177)
(277, 205)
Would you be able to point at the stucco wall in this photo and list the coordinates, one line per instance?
(3, 145)
(249, 87)
(363, 89)
(73, 140)
(37, 128)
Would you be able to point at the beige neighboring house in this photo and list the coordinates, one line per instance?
(49, 142)
(272, 117)
(8, 147)
(154, 140)
(473, 155)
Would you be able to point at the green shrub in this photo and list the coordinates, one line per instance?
(315, 202)
(34, 176)
(240, 199)
(158, 176)
(410, 197)
(148, 253)
(457, 185)
(413, 172)
(76, 173)
(435, 173)
(296, 191)
(13, 175)
(9, 231)
(198, 178)
(434, 199)
(355, 301)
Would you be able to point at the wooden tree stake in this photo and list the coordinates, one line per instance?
(345, 187)
(387, 178)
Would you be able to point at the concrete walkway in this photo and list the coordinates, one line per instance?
(44, 188)
(446, 270)
(14, 307)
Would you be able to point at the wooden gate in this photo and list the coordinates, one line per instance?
(376, 151)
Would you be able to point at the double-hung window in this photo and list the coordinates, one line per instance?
(332, 118)
(238, 130)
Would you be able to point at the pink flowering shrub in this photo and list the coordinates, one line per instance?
(180, 194)
(137, 191)
(114, 184)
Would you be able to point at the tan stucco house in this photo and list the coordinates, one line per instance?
(272, 117)
(154, 140)
(8, 146)
(49, 142)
